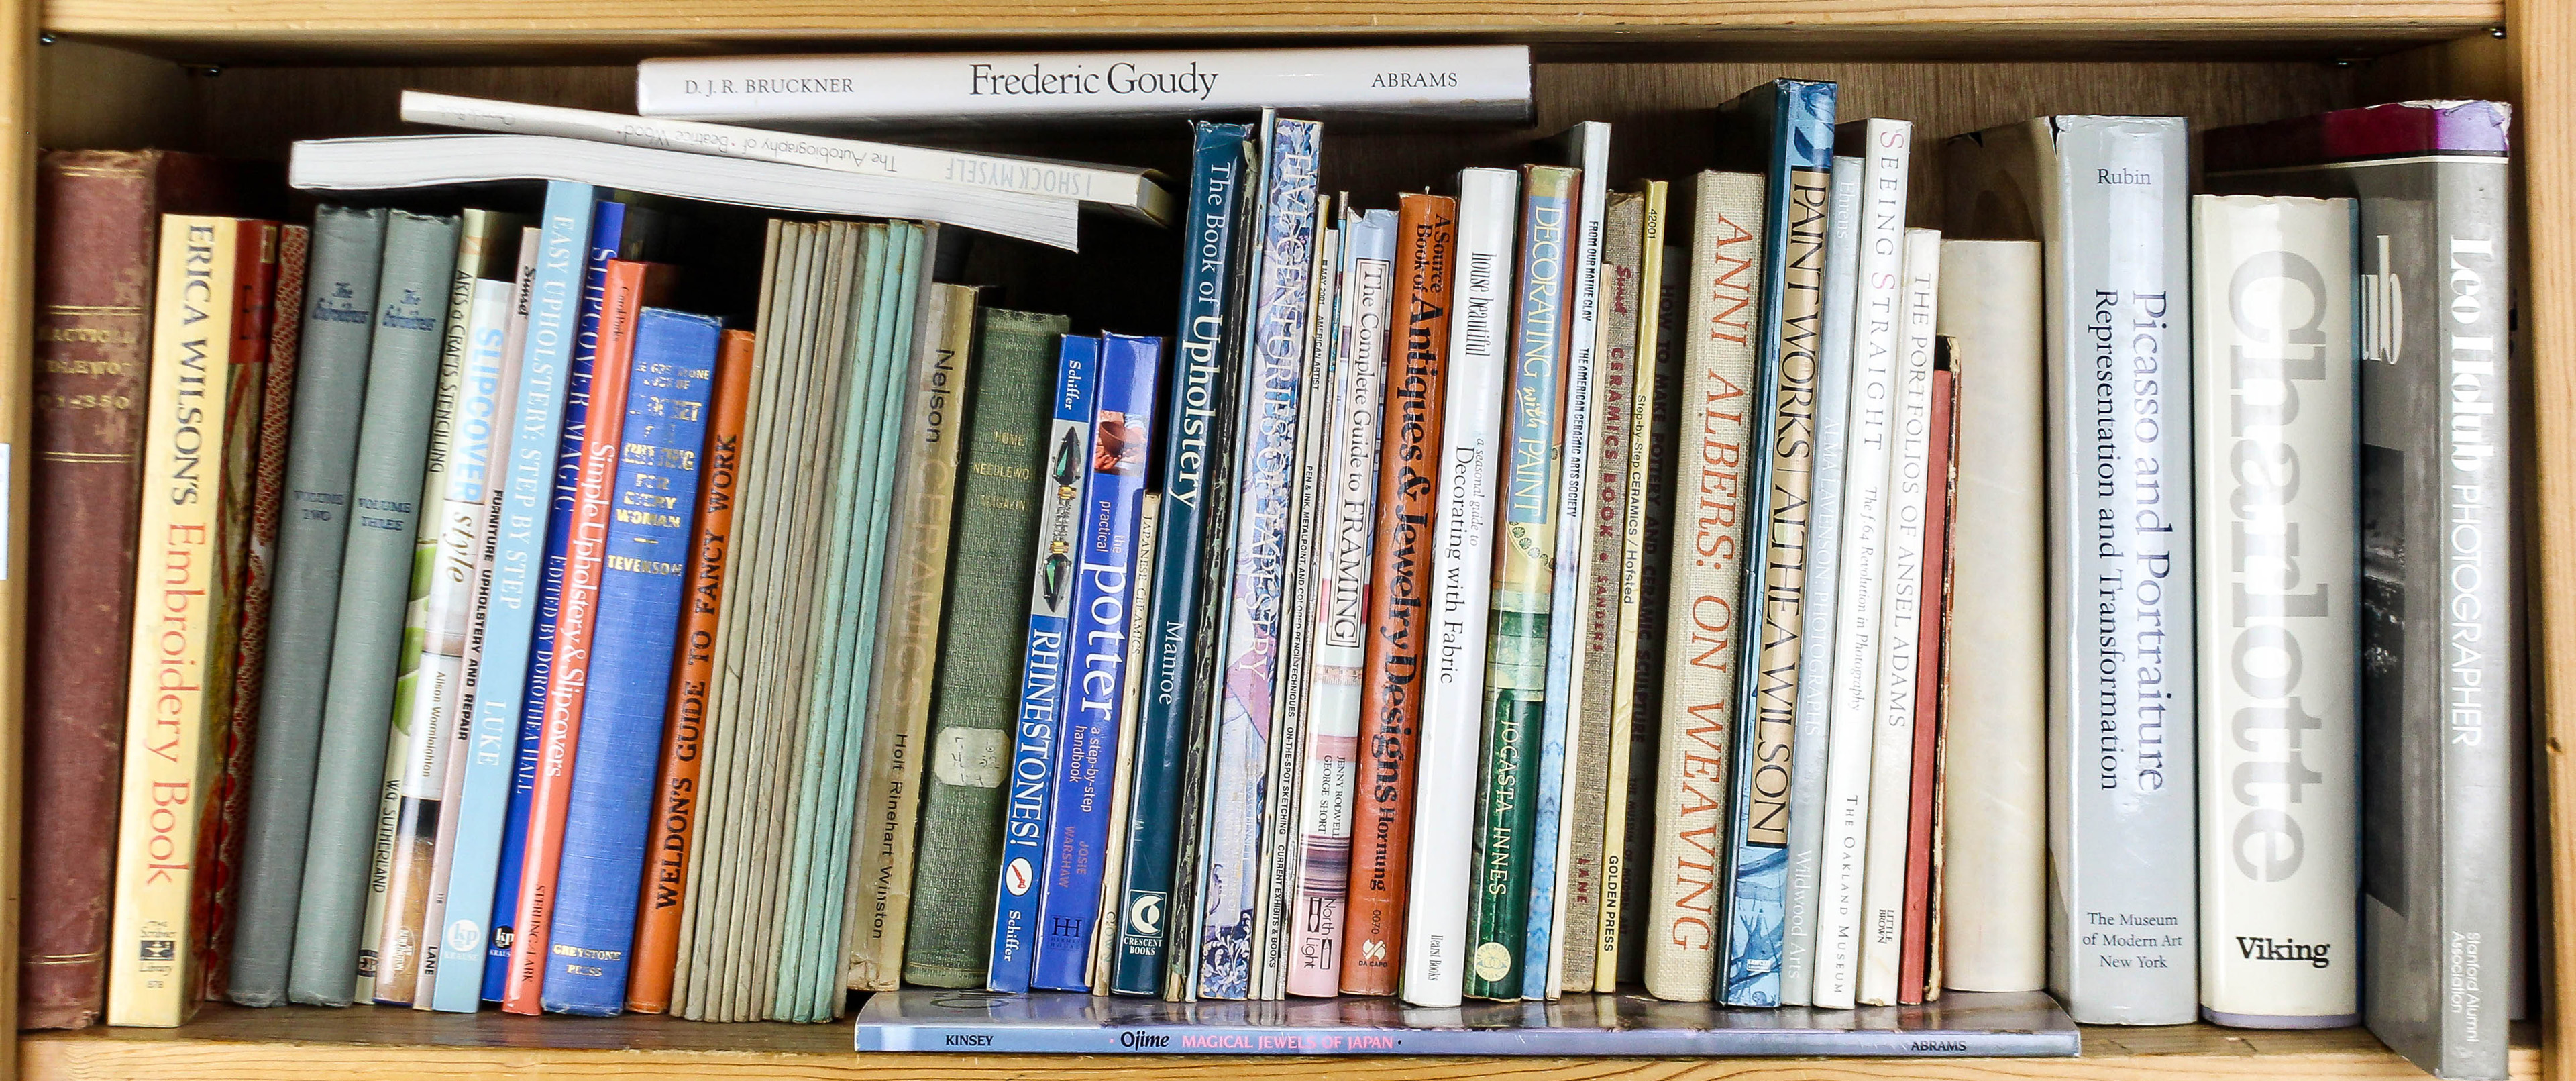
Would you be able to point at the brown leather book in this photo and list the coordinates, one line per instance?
(1920, 847)
(1399, 606)
(666, 867)
(98, 216)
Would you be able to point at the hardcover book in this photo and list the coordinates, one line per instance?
(2105, 195)
(1629, 784)
(1919, 963)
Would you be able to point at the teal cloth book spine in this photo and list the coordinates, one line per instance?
(375, 586)
(1785, 129)
(321, 455)
(554, 308)
(645, 573)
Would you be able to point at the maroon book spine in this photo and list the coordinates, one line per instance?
(97, 220)
(1931, 679)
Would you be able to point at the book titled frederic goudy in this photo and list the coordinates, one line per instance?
(1469, 82)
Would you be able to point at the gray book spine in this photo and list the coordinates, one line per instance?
(375, 579)
(330, 384)
(1824, 562)
(2111, 202)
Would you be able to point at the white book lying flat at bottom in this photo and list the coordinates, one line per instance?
(1122, 188)
(423, 161)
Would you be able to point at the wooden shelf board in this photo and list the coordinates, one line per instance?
(622, 29)
(296, 1043)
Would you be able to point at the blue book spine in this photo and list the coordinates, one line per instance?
(640, 589)
(1190, 455)
(608, 222)
(1095, 700)
(1033, 744)
(1257, 583)
(1788, 128)
(554, 312)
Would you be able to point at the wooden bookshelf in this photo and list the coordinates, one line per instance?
(133, 72)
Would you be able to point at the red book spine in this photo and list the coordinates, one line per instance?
(1928, 684)
(566, 687)
(666, 871)
(1399, 605)
(97, 223)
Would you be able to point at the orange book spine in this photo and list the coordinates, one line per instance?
(1939, 485)
(625, 295)
(1399, 606)
(666, 871)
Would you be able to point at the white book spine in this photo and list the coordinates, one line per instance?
(1850, 732)
(2276, 364)
(1479, 82)
(1994, 784)
(1449, 758)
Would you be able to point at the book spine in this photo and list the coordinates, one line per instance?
(1709, 536)
(1885, 149)
(1104, 572)
(330, 964)
(331, 380)
(676, 785)
(1891, 771)
(1190, 453)
(1916, 962)
(1824, 554)
(554, 308)
(1484, 82)
(1800, 150)
(2276, 360)
(998, 490)
(1994, 925)
(1666, 289)
(1149, 522)
(267, 485)
(167, 763)
(1027, 809)
(1450, 751)
(1398, 624)
(1597, 758)
(607, 228)
(641, 589)
(1524, 585)
(1638, 249)
(1257, 583)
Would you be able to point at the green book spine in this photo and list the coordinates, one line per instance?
(330, 385)
(375, 580)
(976, 697)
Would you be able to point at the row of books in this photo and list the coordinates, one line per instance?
(1494, 597)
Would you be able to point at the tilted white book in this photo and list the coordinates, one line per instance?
(1464, 82)
(1450, 757)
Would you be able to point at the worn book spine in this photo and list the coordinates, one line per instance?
(433, 621)
(167, 762)
(1824, 564)
(2106, 196)
(1149, 522)
(1192, 451)
(1930, 683)
(1900, 618)
(1524, 583)
(1397, 626)
(267, 487)
(2273, 287)
(998, 487)
(331, 381)
(1257, 583)
(1884, 147)
(1994, 917)
(1450, 750)
(536, 418)
(331, 964)
(676, 783)
(1706, 621)
(1635, 268)
(1587, 149)
(641, 589)
(1065, 459)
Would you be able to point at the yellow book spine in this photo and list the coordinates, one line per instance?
(178, 580)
